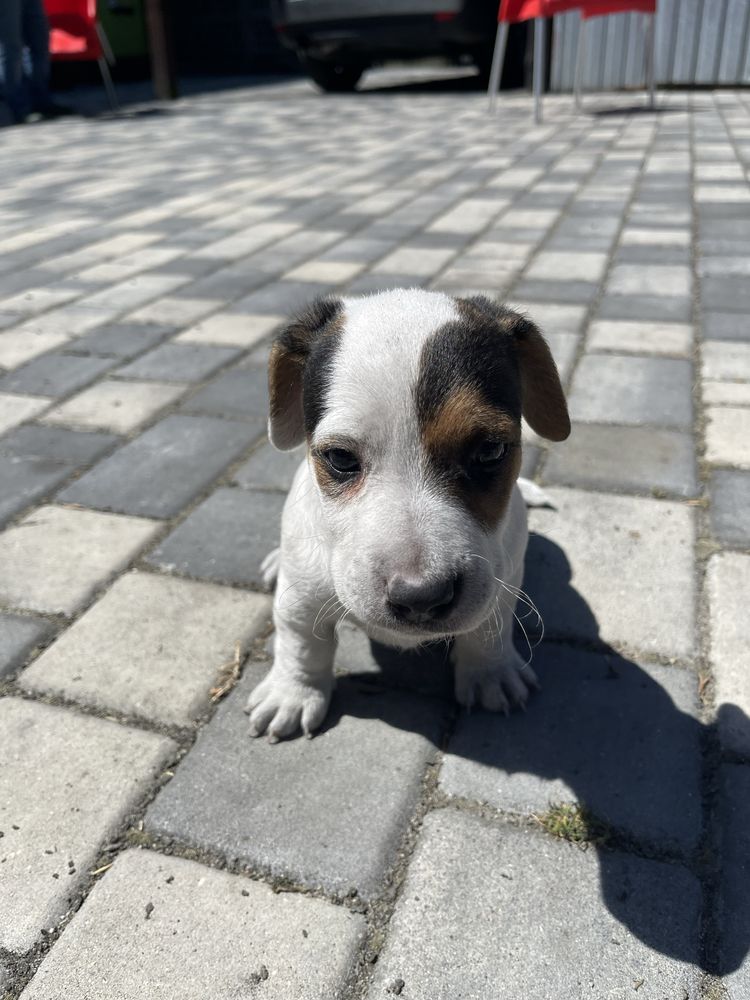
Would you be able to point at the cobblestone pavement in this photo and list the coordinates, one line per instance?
(596, 846)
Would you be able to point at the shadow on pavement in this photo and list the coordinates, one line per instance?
(615, 736)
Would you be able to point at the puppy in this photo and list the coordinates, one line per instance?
(405, 517)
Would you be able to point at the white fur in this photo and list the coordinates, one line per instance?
(336, 556)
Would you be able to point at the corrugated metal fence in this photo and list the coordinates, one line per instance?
(697, 42)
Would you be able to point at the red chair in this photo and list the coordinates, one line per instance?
(513, 11)
(599, 8)
(75, 35)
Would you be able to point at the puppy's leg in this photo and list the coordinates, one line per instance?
(297, 690)
(489, 670)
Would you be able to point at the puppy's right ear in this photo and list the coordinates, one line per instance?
(307, 334)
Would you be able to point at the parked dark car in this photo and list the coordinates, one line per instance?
(337, 40)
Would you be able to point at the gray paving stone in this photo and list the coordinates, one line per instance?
(242, 392)
(14, 410)
(123, 340)
(734, 906)
(18, 636)
(67, 783)
(54, 559)
(624, 459)
(631, 390)
(225, 538)
(728, 593)
(179, 362)
(55, 444)
(556, 291)
(301, 808)
(726, 326)
(160, 667)
(269, 469)
(616, 736)
(730, 510)
(162, 470)
(728, 435)
(539, 916)
(644, 599)
(115, 405)
(726, 294)
(112, 952)
(654, 308)
(53, 375)
(25, 480)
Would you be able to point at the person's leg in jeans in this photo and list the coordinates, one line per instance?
(11, 42)
(36, 36)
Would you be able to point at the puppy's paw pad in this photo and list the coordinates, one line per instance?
(279, 707)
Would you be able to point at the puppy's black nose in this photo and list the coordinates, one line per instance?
(421, 600)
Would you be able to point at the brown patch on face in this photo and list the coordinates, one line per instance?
(451, 436)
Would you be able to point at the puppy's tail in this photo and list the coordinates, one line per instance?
(269, 569)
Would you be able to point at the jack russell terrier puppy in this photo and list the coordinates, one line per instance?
(406, 516)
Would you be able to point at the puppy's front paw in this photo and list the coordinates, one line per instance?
(281, 705)
(494, 686)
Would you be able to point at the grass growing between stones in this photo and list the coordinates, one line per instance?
(574, 822)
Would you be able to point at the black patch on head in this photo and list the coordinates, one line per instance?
(472, 351)
(317, 377)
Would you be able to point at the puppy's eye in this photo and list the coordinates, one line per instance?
(489, 455)
(341, 462)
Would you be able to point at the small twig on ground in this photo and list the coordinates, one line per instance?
(229, 674)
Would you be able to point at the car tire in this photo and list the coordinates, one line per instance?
(333, 77)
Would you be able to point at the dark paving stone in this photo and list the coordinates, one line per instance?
(726, 326)
(635, 254)
(18, 636)
(281, 297)
(179, 363)
(24, 480)
(162, 470)
(584, 922)
(57, 444)
(53, 375)
(730, 507)
(269, 469)
(34, 461)
(651, 307)
(630, 459)
(555, 291)
(734, 906)
(632, 390)
(225, 538)
(194, 266)
(242, 392)
(619, 737)
(123, 340)
(726, 294)
(326, 812)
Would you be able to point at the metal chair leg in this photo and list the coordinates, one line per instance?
(108, 85)
(498, 58)
(580, 61)
(540, 26)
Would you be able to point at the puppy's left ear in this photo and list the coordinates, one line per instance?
(307, 334)
(542, 397)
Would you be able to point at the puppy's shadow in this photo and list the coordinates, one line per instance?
(618, 737)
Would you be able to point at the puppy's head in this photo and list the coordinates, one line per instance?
(411, 403)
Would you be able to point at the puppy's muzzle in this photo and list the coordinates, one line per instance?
(420, 601)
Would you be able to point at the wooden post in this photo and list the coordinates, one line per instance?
(163, 72)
